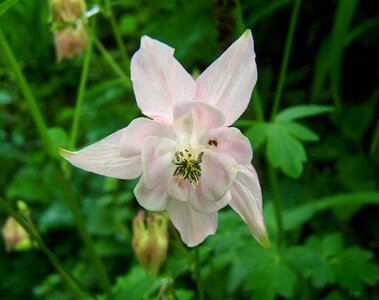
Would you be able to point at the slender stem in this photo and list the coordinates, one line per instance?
(118, 36)
(199, 281)
(80, 95)
(42, 130)
(285, 60)
(273, 178)
(113, 64)
(28, 95)
(30, 229)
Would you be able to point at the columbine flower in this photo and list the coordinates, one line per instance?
(15, 236)
(190, 161)
(70, 41)
(150, 243)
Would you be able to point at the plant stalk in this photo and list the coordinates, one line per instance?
(285, 60)
(43, 132)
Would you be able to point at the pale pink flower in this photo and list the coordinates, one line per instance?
(190, 161)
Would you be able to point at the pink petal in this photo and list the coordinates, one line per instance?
(133, 137)
(247, 202)
(218, 173)
(228, 83)
(194, 119)
(104, 158)
(159, 80)
(154, 199)
(193, 227)
(231, 141)
(157, 156)
(203, 205)
(178, 190)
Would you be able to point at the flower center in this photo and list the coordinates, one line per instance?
(187, 166)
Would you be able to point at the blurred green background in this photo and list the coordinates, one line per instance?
(324, 168)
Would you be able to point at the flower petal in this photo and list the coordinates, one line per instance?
(218, 173)
(194, 119)
(157, 156)
(193, 227)
(104, 158)
(159, 80)
(133, 137)
(151, 199)
(231, 141)
(228, 83)
(203, 205)
(247, 202)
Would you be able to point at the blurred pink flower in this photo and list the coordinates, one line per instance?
(190, 161)
(70, 41)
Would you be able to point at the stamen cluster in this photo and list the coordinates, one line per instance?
(188, 167)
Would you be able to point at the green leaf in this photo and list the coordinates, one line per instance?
(295, 217)
(257, 134)
(302, 111)
(300, 132)
(272, 278)
(6, 5)
(354, 269)
(285, 152)
(135, 285)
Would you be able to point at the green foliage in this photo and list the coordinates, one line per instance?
(324, 141)
(6, 5)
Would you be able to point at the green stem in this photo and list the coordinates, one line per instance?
(199, 281)
(285, 60)
(30, 229)
(118, 36)
(28, 95)
(273, 178)
(80, 95)
(42, 130)
(113, 64)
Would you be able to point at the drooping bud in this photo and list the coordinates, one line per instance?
(70, 41)
(15, 236)
(67, 11)
(150, 243)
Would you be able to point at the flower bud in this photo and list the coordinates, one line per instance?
(15, 236)
(67, 11)
(150, 244)
(70, 41)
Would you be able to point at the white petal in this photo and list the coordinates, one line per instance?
(157, 156)
(218, 174)
(104, 158)
(154, 199)
(133, 137)
(203, 205)
(228, 83)
(178, 190)
(247, 202)
(159, 80)
(194, 119)
(231, 141)
(193, 227)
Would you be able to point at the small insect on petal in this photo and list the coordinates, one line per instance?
(213, 142)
